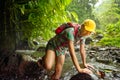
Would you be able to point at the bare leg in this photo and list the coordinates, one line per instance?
(49, 59)
(58, 67)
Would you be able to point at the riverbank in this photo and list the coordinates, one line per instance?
(105, 59)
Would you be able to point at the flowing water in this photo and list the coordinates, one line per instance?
(103, 60)
(111, 69)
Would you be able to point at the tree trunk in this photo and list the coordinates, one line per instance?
(7, 27)
(7, 32)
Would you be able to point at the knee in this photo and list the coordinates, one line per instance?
(47, 67)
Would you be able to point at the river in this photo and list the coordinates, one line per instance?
(103, 59)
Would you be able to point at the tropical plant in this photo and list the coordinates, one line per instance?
(83, 8)
(110, 23)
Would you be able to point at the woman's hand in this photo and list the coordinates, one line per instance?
(85, 70)
(88, 66)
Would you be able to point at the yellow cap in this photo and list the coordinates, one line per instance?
(89, 25)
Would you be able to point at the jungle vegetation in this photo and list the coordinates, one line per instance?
(30, 19)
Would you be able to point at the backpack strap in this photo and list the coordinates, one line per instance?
(76, 26)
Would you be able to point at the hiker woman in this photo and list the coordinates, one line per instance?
(56, 47)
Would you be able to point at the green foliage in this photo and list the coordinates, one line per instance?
(29, 19)
(107, 13)
(99, 31)
(109, 21)
(40, 17)
(45, 16)
(113, 29)
(34, 18)
(83, 8)
(112, 36)
(109, 41)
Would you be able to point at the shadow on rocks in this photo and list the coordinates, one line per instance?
(14, 66)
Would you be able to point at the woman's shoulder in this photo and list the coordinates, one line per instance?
(69, 29)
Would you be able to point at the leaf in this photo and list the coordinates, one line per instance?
(75, 16)
(66, 2)
(52, 2)
(22, 9)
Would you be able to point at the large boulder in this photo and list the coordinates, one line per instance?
(14, 66)
(82, 76)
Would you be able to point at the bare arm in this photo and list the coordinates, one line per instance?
(73, 55)
(83, 54)
(75, 60)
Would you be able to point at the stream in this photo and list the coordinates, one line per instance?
(112, 71)
(104, 59)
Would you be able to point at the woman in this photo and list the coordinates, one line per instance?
(55, 49)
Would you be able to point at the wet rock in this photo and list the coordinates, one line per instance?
(29, 52)
(4, 58)
(113, 48)
(20, 67)
(116, 74)
(118, 59)
(88, 40)
(35, 43)
(102, 49)
(91, 53)
(41, 49)
(82, 76)
(105, 54)
(99, 36)
(103, 59)
(94, 48)
(23, 44)
(107, 61)
(32, 70)
(77, 48)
